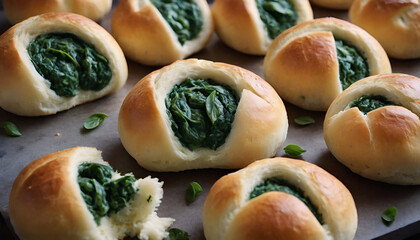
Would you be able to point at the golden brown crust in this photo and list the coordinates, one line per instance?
(24, 91)
(333, 4)
(302, 63)
(394, 23)
(229, 214)
(19, 10)
(145, 129)
(238, 24)
(147, 38)
(382, 145)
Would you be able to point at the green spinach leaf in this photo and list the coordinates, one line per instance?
(369, 103)
(178, 234)
(94, 120)
(304, 120)
(277, 15)
(11, 129)
(68, 63)
(183, 16)
(293, 150)
(388, 216)
(193, 190)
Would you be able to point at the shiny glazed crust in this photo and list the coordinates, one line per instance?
(19, 10)
(146, 37)
(238, 24)
(394, 23)
(384, 144)
(46, 203)
(302, 63)
(258, 130)
(24, 91)
(333, 4)
(229, 214)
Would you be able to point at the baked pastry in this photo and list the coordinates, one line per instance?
(279, 198)
(201, 114)
(374, 129)
(394, 23)
(333, 4)
(249, 26)
(159, 32)
(55, 61)
(19, 10)
(311, 63)
(74, 194)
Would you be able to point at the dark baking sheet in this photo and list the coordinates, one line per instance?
(39, 138)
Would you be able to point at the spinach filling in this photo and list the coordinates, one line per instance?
(277, 15)
(370, 103)
(276, 184)
(69, 63)
(183, 16)
(352, 65)
(103, 195)
(201, 113)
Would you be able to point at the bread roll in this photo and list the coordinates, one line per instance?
(333, 4)
(239, 23)
(306, 69)
(258, 129)
(384, 144)
(394, 23)
(146, 37)
(19, 10)
(24, 90)
(47, 201)
(233, 210)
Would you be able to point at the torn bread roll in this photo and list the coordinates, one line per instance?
(394, 23)
(19, 10)
(158, 32)
(249, 26)
(74, 194)
(311, 63)
(374, 129)
(55, 61)
(201, 114)
(279, 198)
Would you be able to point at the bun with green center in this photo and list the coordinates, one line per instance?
(333, 4)
(249, 26)
(374, 128)
(19, 10)
(159, 32)
(55, 61)
(311, 63)
(74, 194)
(201, 114)
(394, 23)
(279, 198)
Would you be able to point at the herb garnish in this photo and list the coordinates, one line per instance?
(388, 216)
(178, 234)
(293, 150)
(11, 129)
(94, 120)
(304, 120)
(193, 190)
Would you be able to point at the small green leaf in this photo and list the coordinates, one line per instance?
(293, 150)
(11, 129)
(192, 192)
(94, 120)
(304, 120)
(213, 107)
(149, 199)
(388, 216)
(178, 234)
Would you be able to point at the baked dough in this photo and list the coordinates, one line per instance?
(302, 63)
(394, 23)
(19, 10)
(258, 130)
(146, 37)
(229, 213)
(46, 202)
(384, 144)
(24, 91)
(333, 4)
(238, 24)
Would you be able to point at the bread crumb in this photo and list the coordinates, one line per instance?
(57, 134)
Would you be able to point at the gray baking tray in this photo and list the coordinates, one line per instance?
(39, 138)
